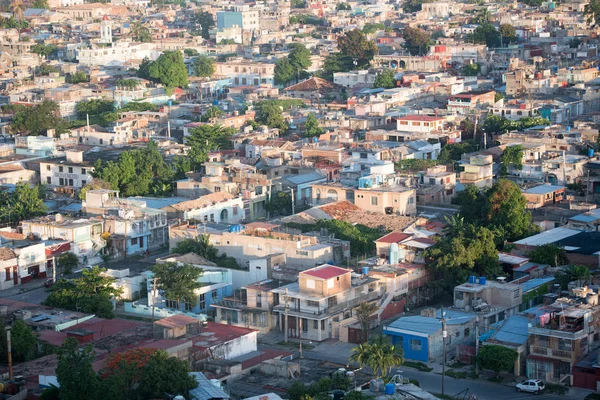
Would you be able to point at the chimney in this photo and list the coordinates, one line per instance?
(74, 156)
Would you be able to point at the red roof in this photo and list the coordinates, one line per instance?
(394, 237)
(214, 333)
(420, 118)
(424, 240)
(177, 320)
(106, 327)
(326, 272)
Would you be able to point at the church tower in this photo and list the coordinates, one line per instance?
(105, 31)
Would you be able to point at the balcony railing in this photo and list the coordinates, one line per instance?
(543, 331)
(333, 309)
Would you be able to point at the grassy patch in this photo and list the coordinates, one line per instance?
(305, 346)
(417, 365)
(556, 389)
(592, 396)
(457, 364)
(455, 374)
(415, 382)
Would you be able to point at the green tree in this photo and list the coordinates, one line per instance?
(579, 273)
(206, 138)
(311, 126)
(482, 17)
(24, 203)
(281, 202)
(74, 372)
(191, 52)
(508, 33)
(204, 66)
(370, 28)
(40, 4)
(130, 84)
(36, 120)
(140, 32)
(363, 316)
(550, 254)
(211, 113)
(297, 391)
(67, 262)
(178, 281)
(497, 358)
(414, 5)
(170, 70)
(298, 3)
(284, 72)
(24, 342)
(343, 7)
(454, 152)
(204, 21)
(498, 96)
(199, 245)
(269, 113)
(43, 50)
(299, 58)
(471, 69)
(165, 375)
(416, 41)
(335, 62)
(487, 34)
(144, 69)
(79, 77)
(358, 47)
(379, 355)
(386, 79)
(414, 165)
(512, 156)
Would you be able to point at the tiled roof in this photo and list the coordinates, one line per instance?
(326, 272)
(394, 237)
(312, 84)
(6, 254)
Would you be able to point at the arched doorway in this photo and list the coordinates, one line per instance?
(552, 179)
(402, 64)
(332, 194)
(224, 215)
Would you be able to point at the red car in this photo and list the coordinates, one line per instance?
(49, 282)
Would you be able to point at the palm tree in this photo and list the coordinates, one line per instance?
(455, 225)
(361, 354)
(17, 7)
(579, 273)
(379, 355)
(363, 314)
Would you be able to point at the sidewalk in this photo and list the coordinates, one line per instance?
(23, 288)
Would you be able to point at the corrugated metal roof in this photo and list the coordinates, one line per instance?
(417, 324)
(512, 330)
(205, 389)
(543, 189)
(550, 236)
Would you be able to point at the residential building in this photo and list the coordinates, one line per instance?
(316, 90)
(246, 73)
(465, 103)
(542, 195)
(420, 123)
(387, 200)
(220, 207)
(9, 275)
(436, 185)
(71, 172)
(322, 299)
(478, 171)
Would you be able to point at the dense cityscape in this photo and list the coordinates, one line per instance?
(303, 200)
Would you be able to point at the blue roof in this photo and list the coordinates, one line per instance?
(511, 331)
(454, 317)
(536, 311)
(205, 389)
(535, 283)
(304, 178)
(584, 218)
(416, 324)
(160, 202)
(71, 208)
(543, 189)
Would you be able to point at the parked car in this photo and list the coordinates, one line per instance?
(532, 386)
(49, 282)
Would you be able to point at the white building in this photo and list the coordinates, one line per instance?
(478, 172)
(354, 79)
(117, 54)
(70, 172)
(420, 123)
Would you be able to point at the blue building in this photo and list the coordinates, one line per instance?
(229, 19)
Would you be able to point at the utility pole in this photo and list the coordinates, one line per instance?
(8, 342)
(153, 302)
(300, 337)
(293, 201)
(477, 347)
(285, 321)
(444, 333)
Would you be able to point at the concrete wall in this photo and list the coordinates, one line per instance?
(236, 347)
(146, 311)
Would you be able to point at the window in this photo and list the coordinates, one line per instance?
(70, 170)
(83, 171)
(48, 168)
(212, 217)
(330, 284)
(373, 200)
(415, 344)
(83, 182)
(202, 301)
(411, 200)
(332, 301)
(235, 210)
(188, 306)
(564, 344)
(49, 180)
(322, 324)
(315, 324)
(60, 169)
(363, 155)
(61, 181)
(259, 300)
(304, 325)
(215, 294)
(217, 188)
(170, 303)
(206, 218)
(7, 271)
(310, 284)
(415, 123)
(403, 122)
(312, 303)
(134, 242)
(70, 182)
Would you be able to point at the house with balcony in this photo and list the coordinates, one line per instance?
(253, 308)
(84, 235)
(322, 299)
(478, 171)
(131, 226)
(465, 103)
(561, 335)
(436, 185)
(220, 207)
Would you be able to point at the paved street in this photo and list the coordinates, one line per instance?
(35, 296)
(338, 352)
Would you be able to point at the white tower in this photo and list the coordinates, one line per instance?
(105, 31)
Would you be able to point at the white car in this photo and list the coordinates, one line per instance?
(532, 386)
